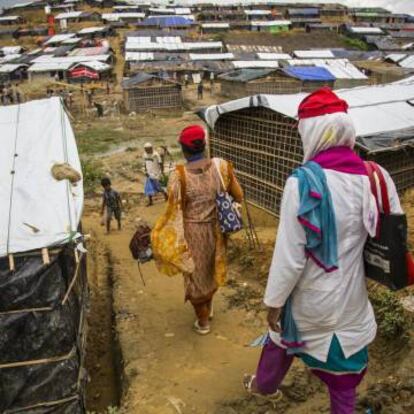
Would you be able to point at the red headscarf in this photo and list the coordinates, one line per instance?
(193, 137)
(321, 102)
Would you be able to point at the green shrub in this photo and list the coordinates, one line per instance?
(391, 318)
(92, 174)
(355, 43)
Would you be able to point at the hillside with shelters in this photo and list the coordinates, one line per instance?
(88, 86)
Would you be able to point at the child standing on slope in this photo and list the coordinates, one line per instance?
(111, 205)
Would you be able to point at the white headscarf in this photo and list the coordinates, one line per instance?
(326, 131)
(333, 130)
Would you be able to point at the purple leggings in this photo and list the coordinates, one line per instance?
(275, 363)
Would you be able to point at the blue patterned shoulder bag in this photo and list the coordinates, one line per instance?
(229, 216)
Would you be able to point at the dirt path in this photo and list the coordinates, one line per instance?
(168, 368)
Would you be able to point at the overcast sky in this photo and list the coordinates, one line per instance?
(399, 6)
(404, 6)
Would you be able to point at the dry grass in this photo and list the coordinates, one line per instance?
(408, 206)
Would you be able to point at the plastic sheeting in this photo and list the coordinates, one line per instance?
(309, 73)
(375, 110)
(41, 338)
(36, 210)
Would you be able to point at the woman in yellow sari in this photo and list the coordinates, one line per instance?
(188, 239)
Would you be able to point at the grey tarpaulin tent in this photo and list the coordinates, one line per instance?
(259, 134)
(43, 287)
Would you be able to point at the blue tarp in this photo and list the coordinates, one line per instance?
(166, 21)
(309, 73)
(304, 11)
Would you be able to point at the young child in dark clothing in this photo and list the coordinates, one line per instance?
(111, 205)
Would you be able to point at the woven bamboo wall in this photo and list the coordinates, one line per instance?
(277, 86)
(153, 97)
(265, 147)
(399, 163)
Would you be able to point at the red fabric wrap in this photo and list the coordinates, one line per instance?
(321, 102)
(192, 135)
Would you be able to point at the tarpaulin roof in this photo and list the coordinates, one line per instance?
(215, 25)
(240, 64)
(36, 209)
(340, 68)
(59, 38)
(115, 17)
(211, 56)
(271, 23)
(11, 50)
(137, 80)
(309, 73)
(375, 110)
(139, 56)
(317, 54)
(95, 65)
(167, 21)
(273, 56)
(82, 72)
(10, 67)
(50, 66)
(246, 75)
(305, 11)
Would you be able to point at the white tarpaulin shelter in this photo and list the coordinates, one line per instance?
(36, 210)
(374, 109)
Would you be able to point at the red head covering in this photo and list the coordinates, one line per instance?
(321, 102)
(193, 137)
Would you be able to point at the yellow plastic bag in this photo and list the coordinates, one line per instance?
(170, 249)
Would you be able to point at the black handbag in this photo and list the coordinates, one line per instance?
(385, 255)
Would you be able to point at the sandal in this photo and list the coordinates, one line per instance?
(272, 398)
(200, 330)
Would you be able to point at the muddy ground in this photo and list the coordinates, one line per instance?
(144, 357)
